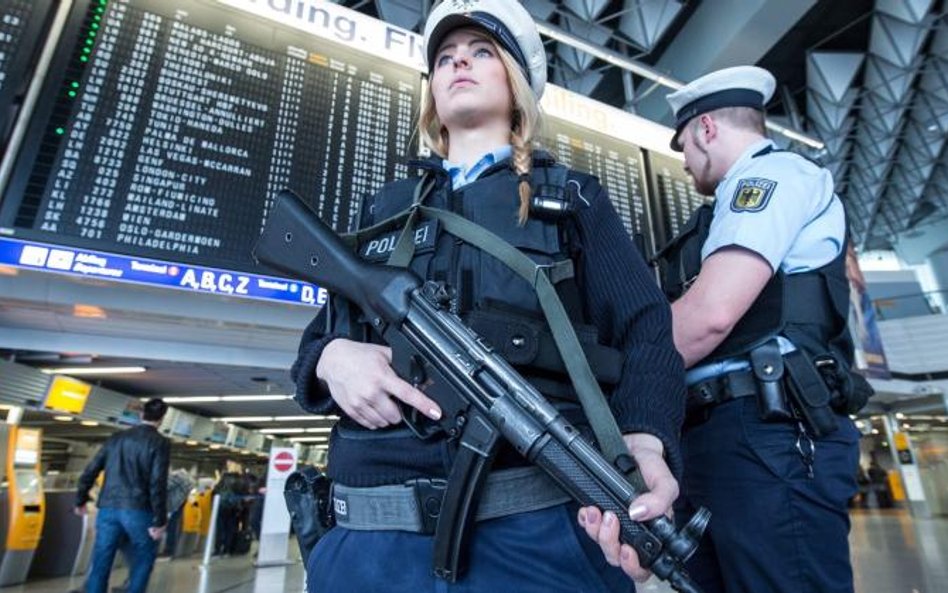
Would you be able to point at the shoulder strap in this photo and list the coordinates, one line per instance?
(405, 219)
(405, 246)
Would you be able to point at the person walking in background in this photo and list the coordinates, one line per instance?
(132, 501)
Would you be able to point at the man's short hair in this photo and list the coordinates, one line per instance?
(744, 118)
(154, 409)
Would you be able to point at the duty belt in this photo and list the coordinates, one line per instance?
(706, 394)
(415, 505)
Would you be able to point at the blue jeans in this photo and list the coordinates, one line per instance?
(111, 526)
(773, 527)
(538, 552)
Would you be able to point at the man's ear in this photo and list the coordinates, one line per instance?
(707, 128)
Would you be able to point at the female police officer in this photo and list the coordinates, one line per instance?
(487, 71)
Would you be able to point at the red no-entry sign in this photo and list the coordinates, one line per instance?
(283, 461)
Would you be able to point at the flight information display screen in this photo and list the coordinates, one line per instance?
(22, 23)
(169, 126)
(617, 164)
(673, 195)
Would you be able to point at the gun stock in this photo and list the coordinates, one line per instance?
(297, 243)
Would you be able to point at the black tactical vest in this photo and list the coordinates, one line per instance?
(491, 298)
(809, 308)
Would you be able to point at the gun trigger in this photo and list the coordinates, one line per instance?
(416, 372)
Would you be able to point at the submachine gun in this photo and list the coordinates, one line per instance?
(482, 397)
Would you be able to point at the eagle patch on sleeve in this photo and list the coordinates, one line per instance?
(752, 194)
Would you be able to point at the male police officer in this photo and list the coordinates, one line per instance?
(759, 307)
(764, 317)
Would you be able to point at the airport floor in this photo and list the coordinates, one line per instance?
(892, 553)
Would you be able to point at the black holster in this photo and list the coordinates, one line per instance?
(309, 500)
(809, 394)
(850, 390)
(768, 367)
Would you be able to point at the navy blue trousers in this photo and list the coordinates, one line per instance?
(773, 528)
(538, 552)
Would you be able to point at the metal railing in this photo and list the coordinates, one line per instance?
(917, 304)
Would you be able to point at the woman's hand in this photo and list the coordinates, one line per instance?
(361, 380)
(647, 450)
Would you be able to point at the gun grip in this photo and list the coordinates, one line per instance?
(412, 370)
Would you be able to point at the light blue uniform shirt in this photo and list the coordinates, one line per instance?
(783, 208)
(461, 176)
(797, 223)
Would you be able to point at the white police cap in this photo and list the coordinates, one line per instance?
(740, 86)
(507, 21)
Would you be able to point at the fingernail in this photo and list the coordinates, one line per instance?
(582, 517)
(434, 413)
(608, 519)
(637, 511)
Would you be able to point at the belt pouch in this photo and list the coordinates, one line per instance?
(810, 394)
(767, 364)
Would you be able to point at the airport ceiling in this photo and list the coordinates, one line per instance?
(869, 78)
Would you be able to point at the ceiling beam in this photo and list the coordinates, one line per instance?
(720, 34)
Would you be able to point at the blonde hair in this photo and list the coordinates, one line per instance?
(524, 125)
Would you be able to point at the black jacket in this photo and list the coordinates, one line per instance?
(136, 472)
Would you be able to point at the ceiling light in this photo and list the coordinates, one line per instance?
(899, 415)
(191, 443)
(88, 312)
(254, 398)
(216, 446)
(63, 418)
(307, 418)
(269, 437)
(281, 430)
(194, 399)
(308, 439)
(95, 370)
(89, 423)
(324, 429)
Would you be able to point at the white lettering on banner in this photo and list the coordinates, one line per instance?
(208, 281)
(272, 285)
(96, 271)
(148, 267)
(572, 107)
(341, 24)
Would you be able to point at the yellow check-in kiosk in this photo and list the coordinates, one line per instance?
(204, 505)
(191, 520)
(22, 504)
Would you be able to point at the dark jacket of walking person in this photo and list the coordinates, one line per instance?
(132, 501)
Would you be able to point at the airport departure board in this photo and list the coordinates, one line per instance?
(617, 164)
(674, 196)
(169, 126)
(22, 23)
